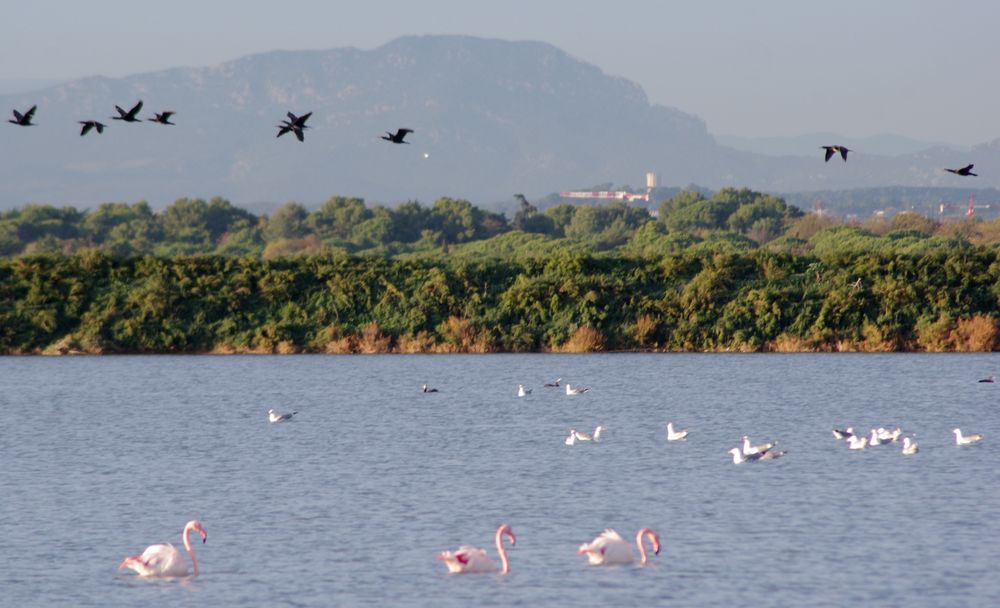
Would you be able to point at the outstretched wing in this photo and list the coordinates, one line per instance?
(843, 153)
(135, 109)
(967, 168)
(30, 113)
(18, 116)
(87, 126)
(299, 133)
(829, 154)
(301, 120)
(282, 130)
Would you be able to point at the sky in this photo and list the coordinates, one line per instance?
(919, 68)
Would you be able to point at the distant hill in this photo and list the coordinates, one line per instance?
(491, 118)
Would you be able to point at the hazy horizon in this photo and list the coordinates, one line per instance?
(771, 69)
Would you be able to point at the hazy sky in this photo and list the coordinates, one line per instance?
(921, 68)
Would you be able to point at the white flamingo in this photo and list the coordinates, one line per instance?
(471, 560)
(961, 439)
(673, 435)
(610, 548)
(166, 560)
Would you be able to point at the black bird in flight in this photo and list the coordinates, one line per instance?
(295, 124)
(831, 150)
(23, 120)
(397, 138)
(163, 118)
(129, 116)
(964, 171)
(90, 124)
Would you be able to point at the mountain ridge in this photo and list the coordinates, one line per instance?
(491, 117)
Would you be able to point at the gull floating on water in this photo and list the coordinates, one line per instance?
(965, 439)
(426, 389)
(523, 392)
(874, 439)
(673, 435)
(576, 391)
(855, 442)
(750, 450)
(739, 457)
(910, 447)
(274, 416)
(839, 434)
(989, 379)
(554, 383)
(887, 436)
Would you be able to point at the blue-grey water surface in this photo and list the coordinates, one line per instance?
(350, 503)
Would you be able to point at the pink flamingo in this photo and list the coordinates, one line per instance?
(610, 548)
(166, 560)
(469, 560)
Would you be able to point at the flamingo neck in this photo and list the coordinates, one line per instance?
(642, 549)
(187, 545)
(504, 529)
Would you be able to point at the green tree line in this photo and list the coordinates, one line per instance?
(692, 299)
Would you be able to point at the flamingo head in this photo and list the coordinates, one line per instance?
(196, 526)
(504, 530)
(584, 549)
(129, 561)
(653, 536)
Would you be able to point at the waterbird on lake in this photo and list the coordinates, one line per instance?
(989, 379)
(839, 434)
(576, 391)
(426, 389)
(274, 416)
(961, 439)
(523, 392)
(609, 548)
(887, 436)
(598, 431)
(831, 150)
(571, 440)
(750, 450)
(397, 137)
(131, 115)
(673, 435)
(855, 442)
(964, 171)
(739, 457)
(163, 118)
(165, 560)
(874, 439)
(472, 560)
(90, 124)
(910, 447)
(23, 120)
(295, 124)
(554, 383)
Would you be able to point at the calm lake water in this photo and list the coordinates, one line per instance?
(350, 503)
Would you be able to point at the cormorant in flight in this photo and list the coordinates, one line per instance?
(129, 116)
(831, 150)
(90, 124)
(163, 118)
(397, 138)
(23, 120)
(295, 124)
(964, 171)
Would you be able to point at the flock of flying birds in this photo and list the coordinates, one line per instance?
(297, 125)
(294, 124)
(965, 171)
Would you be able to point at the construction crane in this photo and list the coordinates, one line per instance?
(970, 211)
